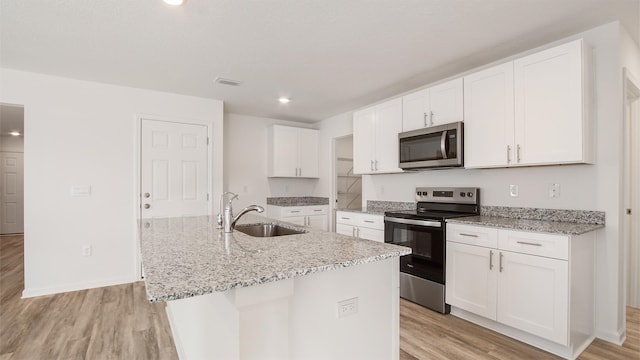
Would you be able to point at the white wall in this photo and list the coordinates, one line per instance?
(584, 187)
(245, 162)
(11, 143)
(83, 133)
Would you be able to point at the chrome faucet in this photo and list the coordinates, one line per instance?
(220, 220)
(230, 220)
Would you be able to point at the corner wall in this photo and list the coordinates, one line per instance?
(245, 162)
(83, 133)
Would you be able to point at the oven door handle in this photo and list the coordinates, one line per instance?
(413, 222)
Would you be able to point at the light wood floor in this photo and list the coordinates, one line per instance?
(117, 322)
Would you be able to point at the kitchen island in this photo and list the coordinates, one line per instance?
(316, 295)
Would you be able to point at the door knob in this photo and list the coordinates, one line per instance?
(147, 195)
(146, 206)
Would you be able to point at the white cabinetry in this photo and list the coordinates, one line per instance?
(534, 283)
(375, 138)
(292, 152)
(360, 225)
(437, 105)
(314, 216)
(530, 111)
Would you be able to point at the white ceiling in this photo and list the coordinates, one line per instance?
(329, 56)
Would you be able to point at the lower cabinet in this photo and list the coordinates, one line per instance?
(314, 216)
(360, 225)
(531, 282)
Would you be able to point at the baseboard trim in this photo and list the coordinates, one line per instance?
(614, 337)
(29, 293)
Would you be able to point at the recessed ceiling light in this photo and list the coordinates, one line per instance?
(284, 100)
(14, 133)
(174, 2)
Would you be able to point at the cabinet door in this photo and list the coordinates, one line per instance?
(533, 295)
(308, 153)
(446, 102)
(319, 222)
(283, 156)
(415, 110)
(345, 229)
(488, 113)
(370, 234)
(548, 106)
(298, 220)
(364, 130)
(388, 125)
(471, 278)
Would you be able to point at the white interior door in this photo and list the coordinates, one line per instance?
(11, 193)
(174, 162)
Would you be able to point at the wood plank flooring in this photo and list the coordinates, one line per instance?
(117, 322)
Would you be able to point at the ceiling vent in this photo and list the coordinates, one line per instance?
(223, 81)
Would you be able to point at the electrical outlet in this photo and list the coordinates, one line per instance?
(86, 250)
(513, 190)
(554, 190)
(347, 307)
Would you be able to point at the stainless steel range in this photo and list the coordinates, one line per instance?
(422, 273)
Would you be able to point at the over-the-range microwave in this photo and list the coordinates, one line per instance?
(433, 147)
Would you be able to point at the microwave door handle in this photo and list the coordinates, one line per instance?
(443, 144)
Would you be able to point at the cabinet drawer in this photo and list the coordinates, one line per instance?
(347, 218)
(303, 210)
(473, 235)
(372, 221)
(553, 246)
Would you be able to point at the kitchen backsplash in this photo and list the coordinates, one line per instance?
(381, 206)
(574, 216)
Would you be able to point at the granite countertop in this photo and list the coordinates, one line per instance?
(553, 227)
(297, 201)
(188, 256)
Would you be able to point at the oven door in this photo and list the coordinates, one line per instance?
(426, 240)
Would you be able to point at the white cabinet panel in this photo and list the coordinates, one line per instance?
(360, 225)
(533, 295)
(314, 216)
(437, 105)
(292, 152)
(488, 126)
(471, 281)
(375, 138)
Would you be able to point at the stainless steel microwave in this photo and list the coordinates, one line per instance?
(432, 147)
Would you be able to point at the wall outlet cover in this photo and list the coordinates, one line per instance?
(513, 190)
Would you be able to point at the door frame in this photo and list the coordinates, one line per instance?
(631, 99)
(138, 169)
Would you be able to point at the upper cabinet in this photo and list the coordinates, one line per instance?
(375, 138)
(529, 111)
(437, 105)
(292, 152)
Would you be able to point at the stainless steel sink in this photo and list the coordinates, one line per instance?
(267, 230)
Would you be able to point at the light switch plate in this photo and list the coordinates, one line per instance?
(80, 190)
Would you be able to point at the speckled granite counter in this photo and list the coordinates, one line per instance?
(185, 257)
(380, 207)
(553, 227)
(297, 201)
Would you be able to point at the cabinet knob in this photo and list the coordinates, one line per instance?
(146, 206)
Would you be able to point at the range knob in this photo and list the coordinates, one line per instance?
(418, 193)
(463, 194)
(470, 194)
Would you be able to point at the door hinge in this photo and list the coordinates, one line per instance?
(207, 196)
(207, 140)
(628, 211)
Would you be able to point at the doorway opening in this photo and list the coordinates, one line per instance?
(631, 212)
(348, 186)
(11, 169)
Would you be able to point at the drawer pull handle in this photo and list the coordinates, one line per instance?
(501, 256)
(344, 218)
(490, 260)
(368, 221)
(469, 235)
(296, 211)
(317, 210)
(528, 243)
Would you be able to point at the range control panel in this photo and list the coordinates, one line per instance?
(448, 195)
